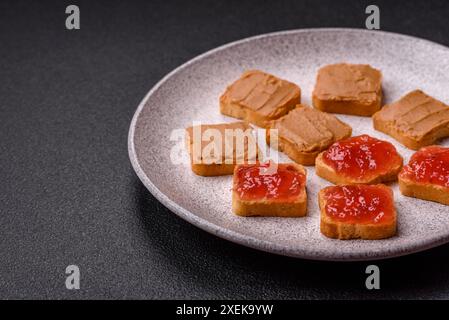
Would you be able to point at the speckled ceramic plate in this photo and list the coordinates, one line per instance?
(191, 92)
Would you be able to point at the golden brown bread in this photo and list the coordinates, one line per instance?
(304, 132)
(337, 229)
(326, 172)
(354, 89)
(415, 120)
(211, 164)
(426, 176)
(359, 160)
(295, 207)
(424, 191)
(258, 97)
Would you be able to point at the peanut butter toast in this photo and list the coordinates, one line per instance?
(259, 97)
(416, 120)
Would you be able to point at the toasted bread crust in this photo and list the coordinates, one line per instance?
(407, 141)
(208, 170)
(362, 93)
(424, 191)
(326, 172)
(256, 112)
(345, 231)
(297, 208)
(386, 120)
(240, 112)
(273, 209)
(216, 169)
(389, 129)
(302, 157)
(347, 107)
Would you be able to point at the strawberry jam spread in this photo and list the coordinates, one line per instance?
(428, 165)
(361, 157)
(286, 183)
(361, 204)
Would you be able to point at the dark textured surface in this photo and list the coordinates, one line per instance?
(69, 195)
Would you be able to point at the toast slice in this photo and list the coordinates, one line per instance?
(359, 160)
(354, 89)
(278, 194)
(258, 97)
(426, 176)
(416, 120)
(215, 149)
(304, 132)
(357, 212)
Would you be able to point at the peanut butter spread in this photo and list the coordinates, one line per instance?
(261, 92)
(221, 143)
(348, 82)
(415, 115)
(310, 129)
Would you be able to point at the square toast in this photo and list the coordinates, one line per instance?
(426, 176)
(258, 97)
(415, 120)
(357, 212)
(215, 149)
(304, 132)
(354, 89)
(359, 160)
(278, 194)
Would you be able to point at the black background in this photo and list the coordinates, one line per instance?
(68, 194)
